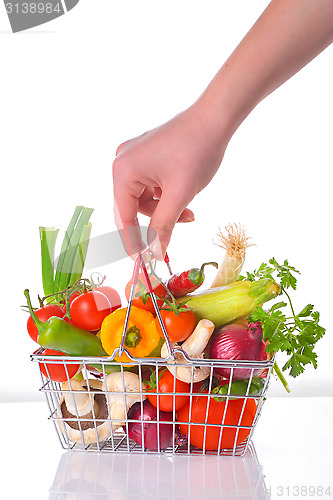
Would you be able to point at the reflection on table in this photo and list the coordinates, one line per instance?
(102, 476)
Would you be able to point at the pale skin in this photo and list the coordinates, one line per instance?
(191, 146)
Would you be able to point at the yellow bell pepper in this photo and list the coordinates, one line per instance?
(142, 336)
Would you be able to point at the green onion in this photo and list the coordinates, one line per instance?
(70, 246)
(80, 255)
(235, 245)
(65, 245)
(48, 236)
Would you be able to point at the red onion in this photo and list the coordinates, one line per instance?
(150, 427)
(237, 341)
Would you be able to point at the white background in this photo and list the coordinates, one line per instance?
(73, 89)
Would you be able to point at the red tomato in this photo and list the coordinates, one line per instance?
(57, 371)
(112, 295)
(89, 309)
(215, 416)
(144, 301)
(168, 383)
(71, 298)
(178, 327)
(43, 314)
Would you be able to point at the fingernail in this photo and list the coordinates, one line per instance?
(187, 219)
(156, 249)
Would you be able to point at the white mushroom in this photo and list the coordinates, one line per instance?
(79, 403)
(76, 419)
(194, 347)
(123, 390)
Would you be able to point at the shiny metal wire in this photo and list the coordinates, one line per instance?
(115, 437)
(118, 439)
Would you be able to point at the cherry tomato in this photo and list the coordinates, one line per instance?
(43, 314)
(112, 295)
(215, 416)
(71, 298)
(57, 371)
(168, 383)
(89, 309)
(178, 327)
(144, 301)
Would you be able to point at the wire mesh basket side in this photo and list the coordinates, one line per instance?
(226, 419)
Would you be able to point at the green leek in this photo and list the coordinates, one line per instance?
(48, 236)
(70, 247)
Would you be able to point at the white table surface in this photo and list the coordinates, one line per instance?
(292, 457)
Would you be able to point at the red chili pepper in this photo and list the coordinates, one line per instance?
(188, 281)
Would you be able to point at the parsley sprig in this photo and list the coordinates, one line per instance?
(295, 334)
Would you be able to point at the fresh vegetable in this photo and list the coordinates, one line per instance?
(141, 337)
(235, 245)
(78, 426)
(70, 299)
(179, 324)
(145, 431)
(167, 383)
(58, 372)
(141, 296)
(294, 334)
(57, 333)
(226, 304)
(214, 437)
(111, 294)
(187, 281)
(48, 236)
(156, 353)
(73, 253)
(43, 314)
(123, 390)
(237, 341)
(77, 399)
(69, 266)
(239, 388)
(80, 254)
(194, 347)
(88, 310)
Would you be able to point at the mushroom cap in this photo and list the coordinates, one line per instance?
(121, 382)
(78, 400)
(92, 383)
(123, 390)
(185, 373)
(92, 430)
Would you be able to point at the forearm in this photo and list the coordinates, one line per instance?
(288, 35)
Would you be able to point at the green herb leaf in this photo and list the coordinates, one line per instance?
(295, 334)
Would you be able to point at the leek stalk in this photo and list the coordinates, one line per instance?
(48, 236)
(71, 246)
(80, 255)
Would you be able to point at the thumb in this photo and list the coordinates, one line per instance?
(163, 220)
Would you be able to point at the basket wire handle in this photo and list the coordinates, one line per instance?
(167, 261)
(139, 263)
(134, 281)
(158, 314)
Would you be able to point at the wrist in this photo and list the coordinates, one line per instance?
(221, 108)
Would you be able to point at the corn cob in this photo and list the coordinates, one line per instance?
(226, 304)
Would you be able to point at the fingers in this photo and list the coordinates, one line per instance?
(122, 146)
(125, 213)
(167, 212)
(147, 206)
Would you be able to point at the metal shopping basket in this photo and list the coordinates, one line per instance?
(93, 416)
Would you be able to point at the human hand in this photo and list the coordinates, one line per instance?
(160, 172)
